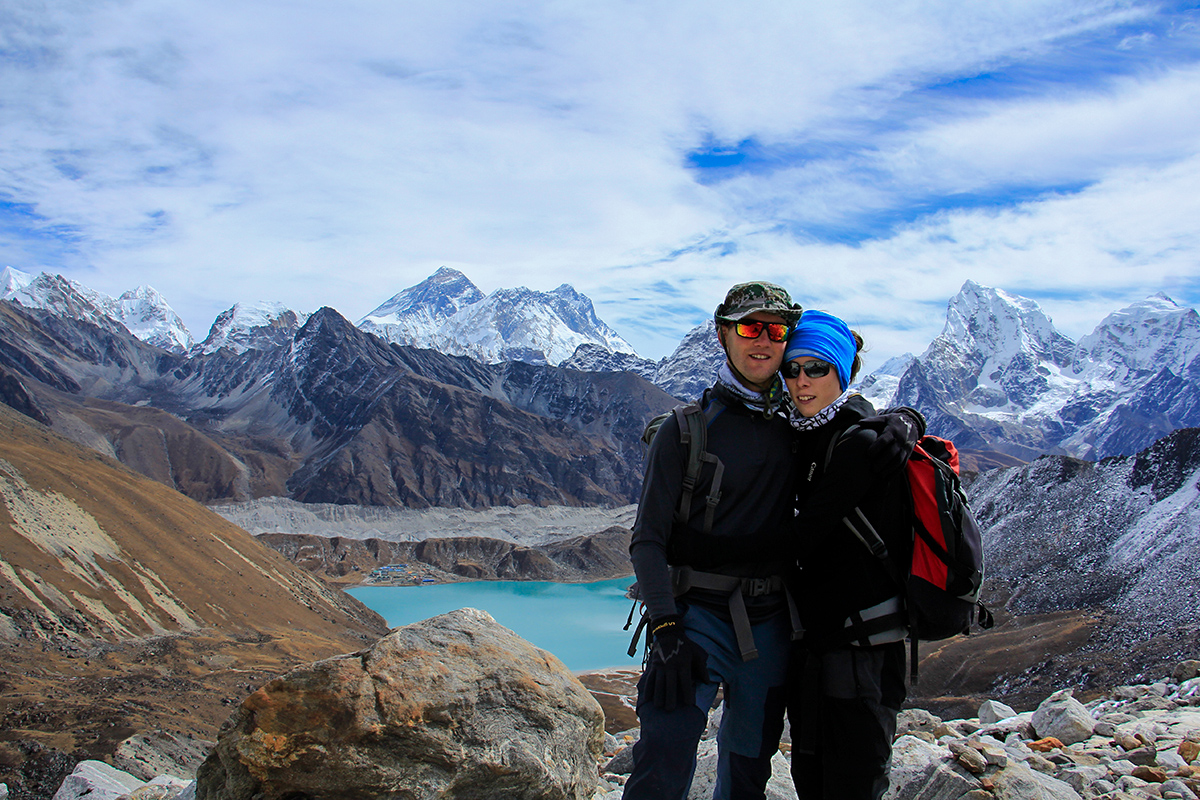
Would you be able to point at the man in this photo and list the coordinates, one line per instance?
(712, 583)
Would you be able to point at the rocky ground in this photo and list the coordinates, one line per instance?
(63, 704)
(1137, 742)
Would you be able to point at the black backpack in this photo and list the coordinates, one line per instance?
(693, 420)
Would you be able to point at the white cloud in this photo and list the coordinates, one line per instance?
(333, 154)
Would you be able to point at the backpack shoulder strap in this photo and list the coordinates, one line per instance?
(833, 442)
(858, 524)
(693, 420)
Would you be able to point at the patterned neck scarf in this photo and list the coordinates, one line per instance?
(767, 402)
(802, 423)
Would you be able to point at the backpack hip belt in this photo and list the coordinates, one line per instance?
(684, 579)
(882, 623)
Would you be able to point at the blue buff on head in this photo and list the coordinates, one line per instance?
(824, 336)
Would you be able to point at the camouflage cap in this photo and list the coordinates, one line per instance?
(746, 298)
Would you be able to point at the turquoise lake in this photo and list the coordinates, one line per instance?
(581, 623)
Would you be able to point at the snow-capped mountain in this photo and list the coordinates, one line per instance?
(1137, 342)
(447, 312)
(693, 366)
(880, 386)
(257, 326)
(684, 374)
(142, 311)
(13, 281)
(417, 314)
(1000, 377)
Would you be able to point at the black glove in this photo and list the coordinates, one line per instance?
(676, 663)
(899, 429)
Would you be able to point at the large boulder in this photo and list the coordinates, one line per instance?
(455, 706)
(1062, 716)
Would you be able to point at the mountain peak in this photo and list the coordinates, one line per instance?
(430, 302)
(990, 324)
(254, 326)
(1139, 340)
(13, 280)
(448, 313)
(142, 311)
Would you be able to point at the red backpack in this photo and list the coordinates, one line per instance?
(946, 572)
(941, 583)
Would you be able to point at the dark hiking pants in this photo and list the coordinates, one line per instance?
(842, 706)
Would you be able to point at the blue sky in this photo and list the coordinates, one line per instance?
(870, 156)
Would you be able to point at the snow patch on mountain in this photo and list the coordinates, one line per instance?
(684, 374)
(1120, 534)
(13, 281)
(255, 326)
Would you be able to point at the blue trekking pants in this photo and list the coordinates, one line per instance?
(664, 758)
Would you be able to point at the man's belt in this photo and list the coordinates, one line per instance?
(684, 579)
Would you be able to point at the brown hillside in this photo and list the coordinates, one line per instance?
(125, 606)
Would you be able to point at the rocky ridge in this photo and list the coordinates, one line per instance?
(592, 557)
(331, 415)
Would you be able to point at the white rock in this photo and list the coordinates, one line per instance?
(1021, 725)
(1019, 782)
(1170, 760)
(1177, 786)
(1062, 716)
(1080, 778)
(96, 780)
(1127, 782)
(992, 711)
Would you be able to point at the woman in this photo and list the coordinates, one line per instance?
(846, 679)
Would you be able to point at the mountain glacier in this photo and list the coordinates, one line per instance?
(447, 312)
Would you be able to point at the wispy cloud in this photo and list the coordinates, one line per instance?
(870, 156)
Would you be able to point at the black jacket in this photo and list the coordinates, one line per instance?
(751, 533)
(837, 574)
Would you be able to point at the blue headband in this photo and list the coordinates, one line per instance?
(826, 337)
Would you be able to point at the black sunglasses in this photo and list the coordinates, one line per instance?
(813, 369)
(752, 329)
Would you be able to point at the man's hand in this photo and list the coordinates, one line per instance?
(676, 663)
(899, 429)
